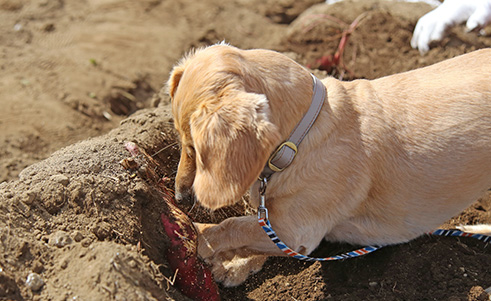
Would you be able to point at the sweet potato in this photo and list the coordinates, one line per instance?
(193, 277)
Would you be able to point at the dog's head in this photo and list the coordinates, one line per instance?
(225, 129)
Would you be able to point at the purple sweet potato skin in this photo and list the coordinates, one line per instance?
(194, 279)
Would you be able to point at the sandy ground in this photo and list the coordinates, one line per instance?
(73, 70)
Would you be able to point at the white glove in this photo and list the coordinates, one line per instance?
(433, 25)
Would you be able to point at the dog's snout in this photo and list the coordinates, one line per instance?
(184, 196)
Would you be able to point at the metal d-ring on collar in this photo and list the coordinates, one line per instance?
(262, 211)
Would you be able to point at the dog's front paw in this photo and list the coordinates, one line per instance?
(233, 271)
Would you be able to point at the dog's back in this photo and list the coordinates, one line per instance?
(427, 138)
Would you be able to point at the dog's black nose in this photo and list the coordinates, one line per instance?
(184, 197)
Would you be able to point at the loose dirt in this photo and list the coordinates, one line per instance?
(80, 78)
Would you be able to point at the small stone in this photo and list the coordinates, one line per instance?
(49, 27)
(64, 264)
(86, 242)
(62, 179)
(102, 230)
(34, 282)
(373, 283)
(77, 236)
(107, 115)
(60, 239)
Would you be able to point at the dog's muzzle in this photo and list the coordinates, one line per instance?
(185, 196)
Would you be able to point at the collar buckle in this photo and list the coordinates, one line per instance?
(288, 144)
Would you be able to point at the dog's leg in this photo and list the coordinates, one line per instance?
(235, 233)
(232, 269)
(235, 248)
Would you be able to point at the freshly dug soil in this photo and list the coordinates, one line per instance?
(72, 73)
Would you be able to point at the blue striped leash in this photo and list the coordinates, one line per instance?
(356, 253)
(283, 247)
(262, 213)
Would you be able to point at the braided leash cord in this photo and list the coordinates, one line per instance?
(264, 223)
(442, 232)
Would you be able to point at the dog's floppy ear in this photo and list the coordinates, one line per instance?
(178, 71)
(233, 139)
(175, 78)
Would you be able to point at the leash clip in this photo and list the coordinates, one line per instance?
(262, 211)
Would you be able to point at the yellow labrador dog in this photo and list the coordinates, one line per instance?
(385, 161)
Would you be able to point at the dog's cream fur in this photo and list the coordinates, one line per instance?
(386, 161)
